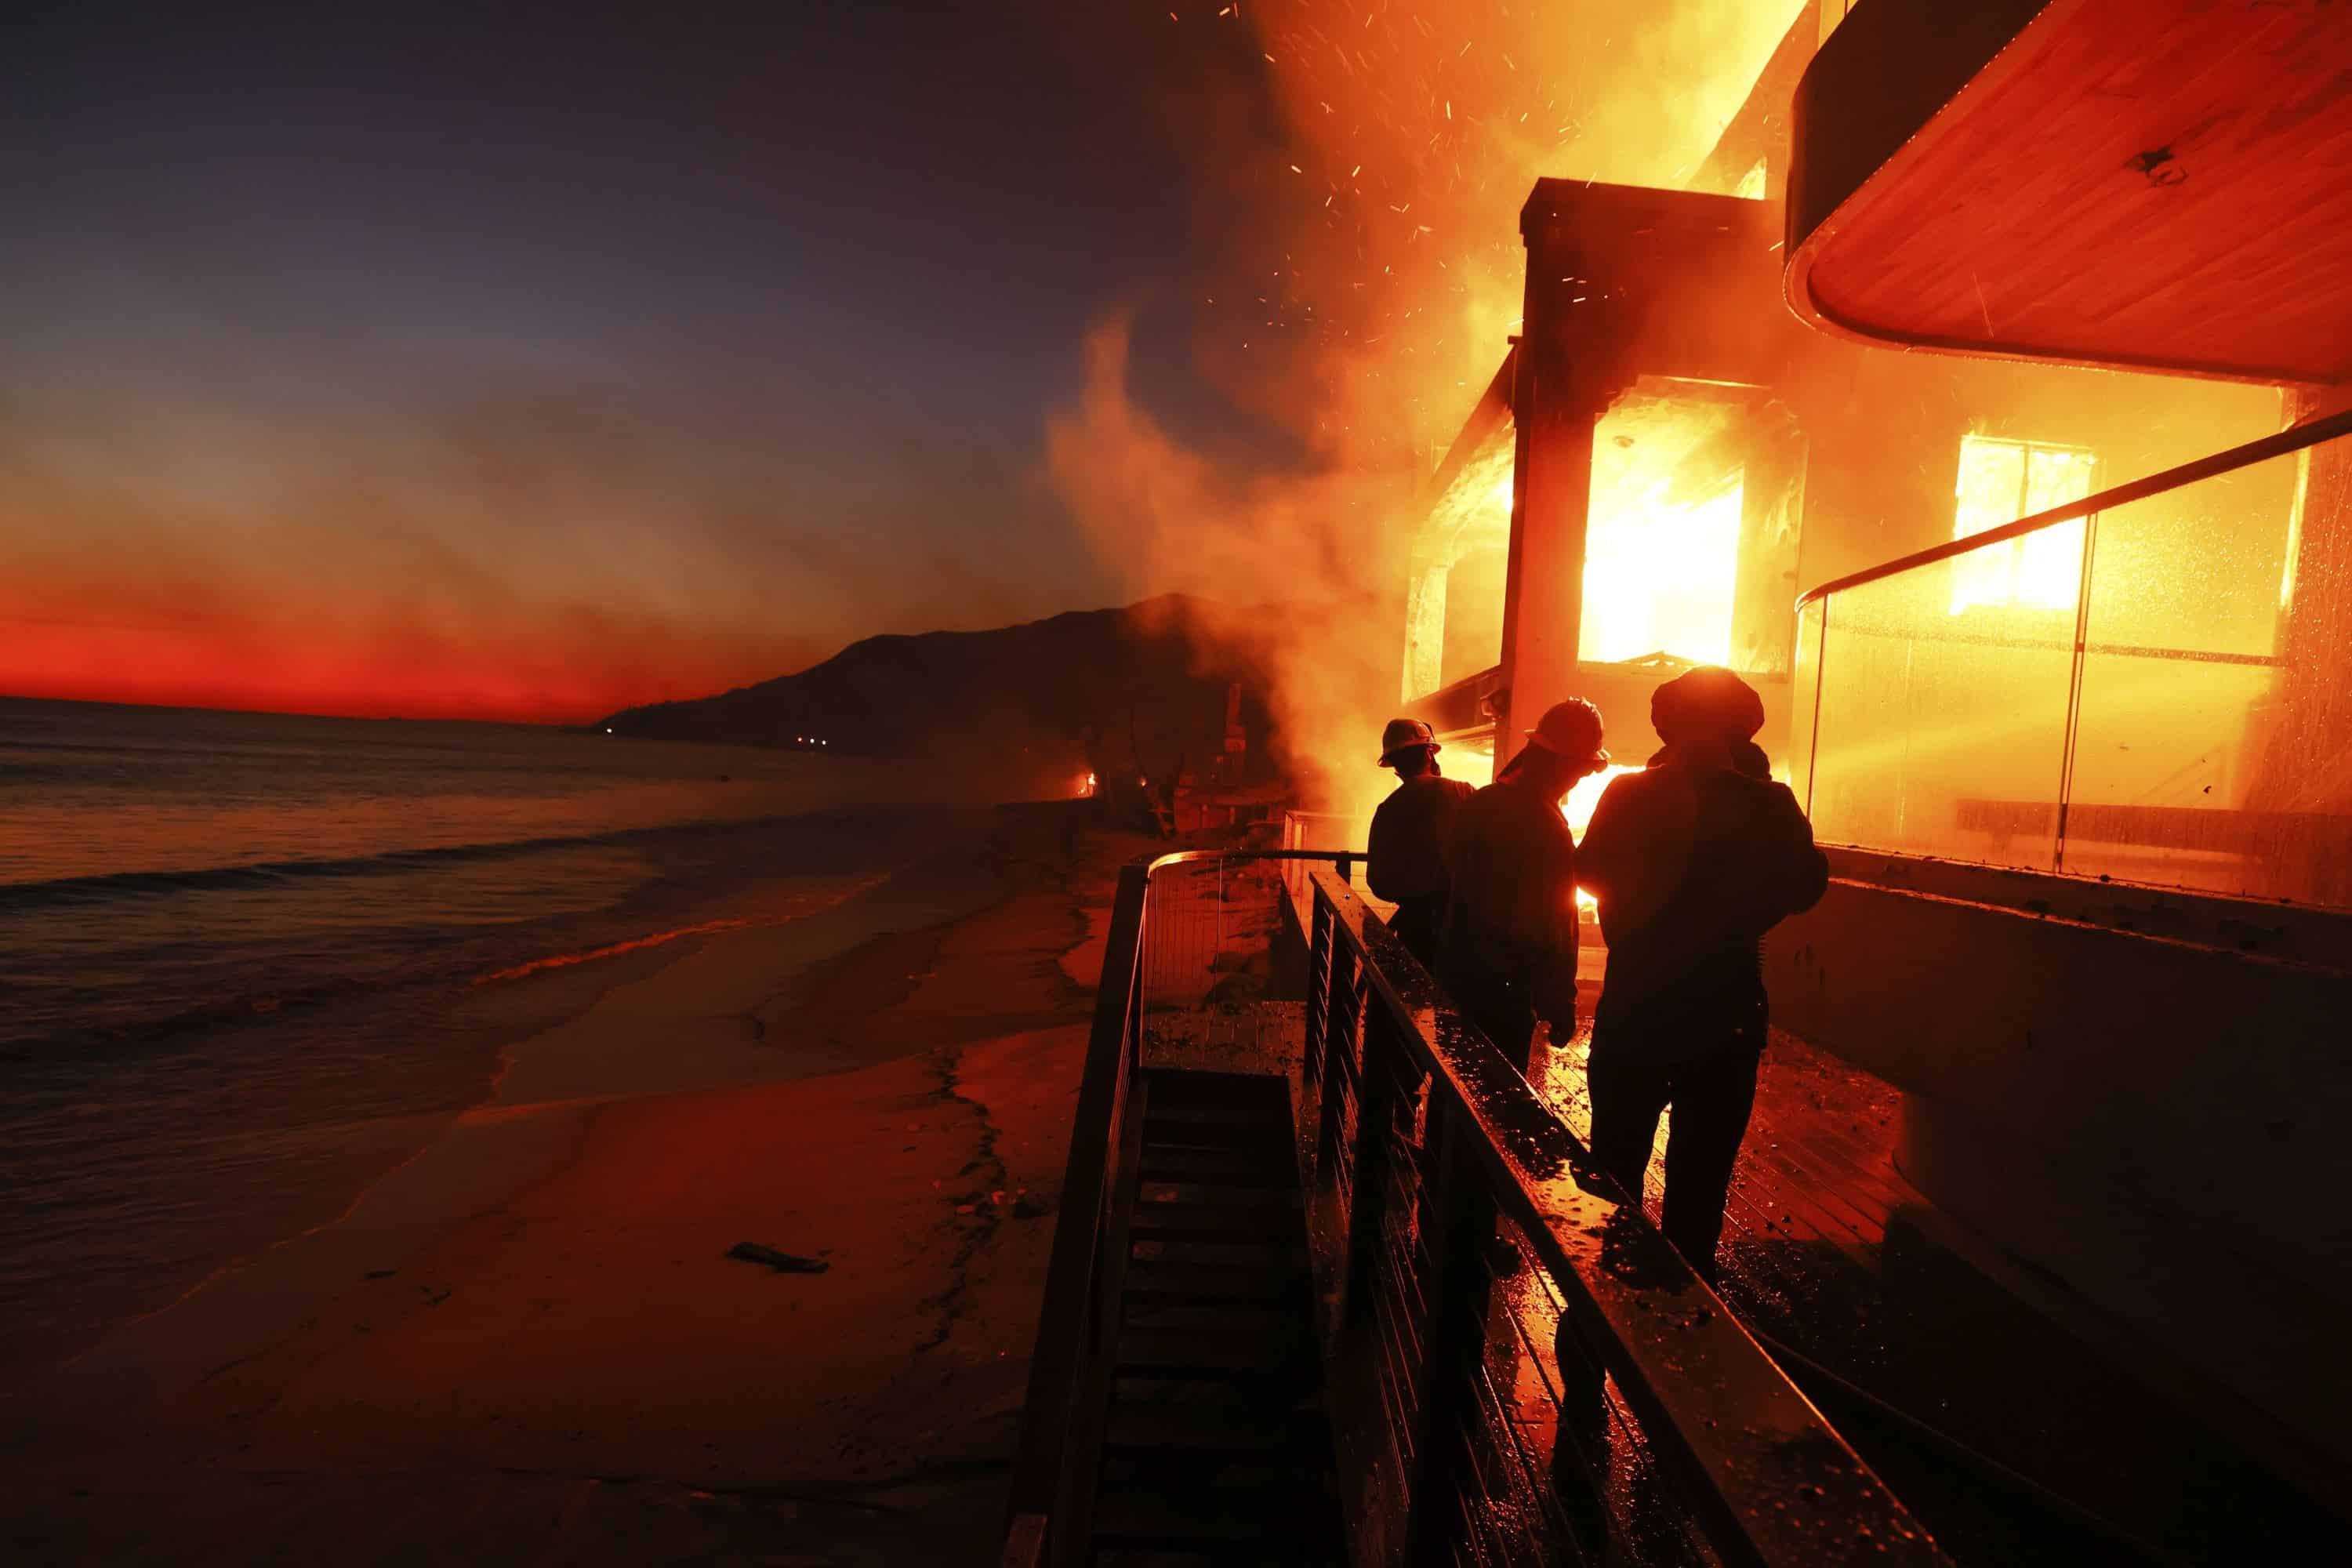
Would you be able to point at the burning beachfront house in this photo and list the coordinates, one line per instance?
(2051, 617)
(2120, 243)
(1691, 457)
(1628, 493)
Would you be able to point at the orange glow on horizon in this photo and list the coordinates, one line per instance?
(554, 669)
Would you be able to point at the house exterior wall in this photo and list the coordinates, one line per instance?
(2155, 1122)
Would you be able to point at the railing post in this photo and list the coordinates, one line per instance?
(1821, 682)
(1457, 1226)
(1341, 1034)
(1376, 1108)
(1319, 986)
(2074, 692)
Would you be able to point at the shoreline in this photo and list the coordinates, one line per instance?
(547, 1282)
(144, 1168)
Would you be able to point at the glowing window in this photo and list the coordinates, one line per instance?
(2000, 482)
(1662, 534)
(1660, 574)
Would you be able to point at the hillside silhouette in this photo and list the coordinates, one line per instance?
(1034, 706)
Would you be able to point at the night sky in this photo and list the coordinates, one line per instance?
(527, 362)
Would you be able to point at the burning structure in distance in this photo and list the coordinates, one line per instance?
(1994, 718)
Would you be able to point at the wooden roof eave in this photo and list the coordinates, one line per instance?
(1891, 101)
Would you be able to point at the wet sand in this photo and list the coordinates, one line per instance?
(530, 1341)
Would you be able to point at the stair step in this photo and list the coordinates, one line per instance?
(1272, 1517)
(1211, 1283)
(1154, 1195)
(1224, 1166)
(1162, 1107)
(1215, 1222)
(1197, 1353)
(1259, 1252)
(1216, 1428)
(1179, 1474)
(1235, 1140)
(1218, 1088)
(1262, 1318)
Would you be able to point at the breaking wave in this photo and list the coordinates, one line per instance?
(73, 892)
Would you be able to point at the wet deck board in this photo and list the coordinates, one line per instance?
(1830, 1251)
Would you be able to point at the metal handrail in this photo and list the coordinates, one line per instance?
(1342, 858)
(1767, 1479)
(2292, 439)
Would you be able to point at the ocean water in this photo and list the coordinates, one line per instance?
(244, 959)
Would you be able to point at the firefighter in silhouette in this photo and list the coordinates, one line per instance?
(1692, 860)
(1508, 952)
(1406, 861)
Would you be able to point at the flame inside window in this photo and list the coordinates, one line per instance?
(1658, 577)
(2001, 481)
(1661, 543)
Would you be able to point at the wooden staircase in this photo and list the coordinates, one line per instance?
(1216, 1447)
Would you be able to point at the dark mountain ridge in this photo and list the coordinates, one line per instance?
(1039, 704)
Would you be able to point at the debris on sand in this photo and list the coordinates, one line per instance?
(782, 1262)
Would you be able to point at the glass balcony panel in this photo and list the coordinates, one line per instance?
(2211, 733)
(2180, 778)
(1942, 731)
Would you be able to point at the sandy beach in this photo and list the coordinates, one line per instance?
(530, 1342)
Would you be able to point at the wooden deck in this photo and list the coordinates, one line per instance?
(2020, 1427)
(1896, 1323)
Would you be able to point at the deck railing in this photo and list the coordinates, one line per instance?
(2132, 686)
(1519, 1367)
